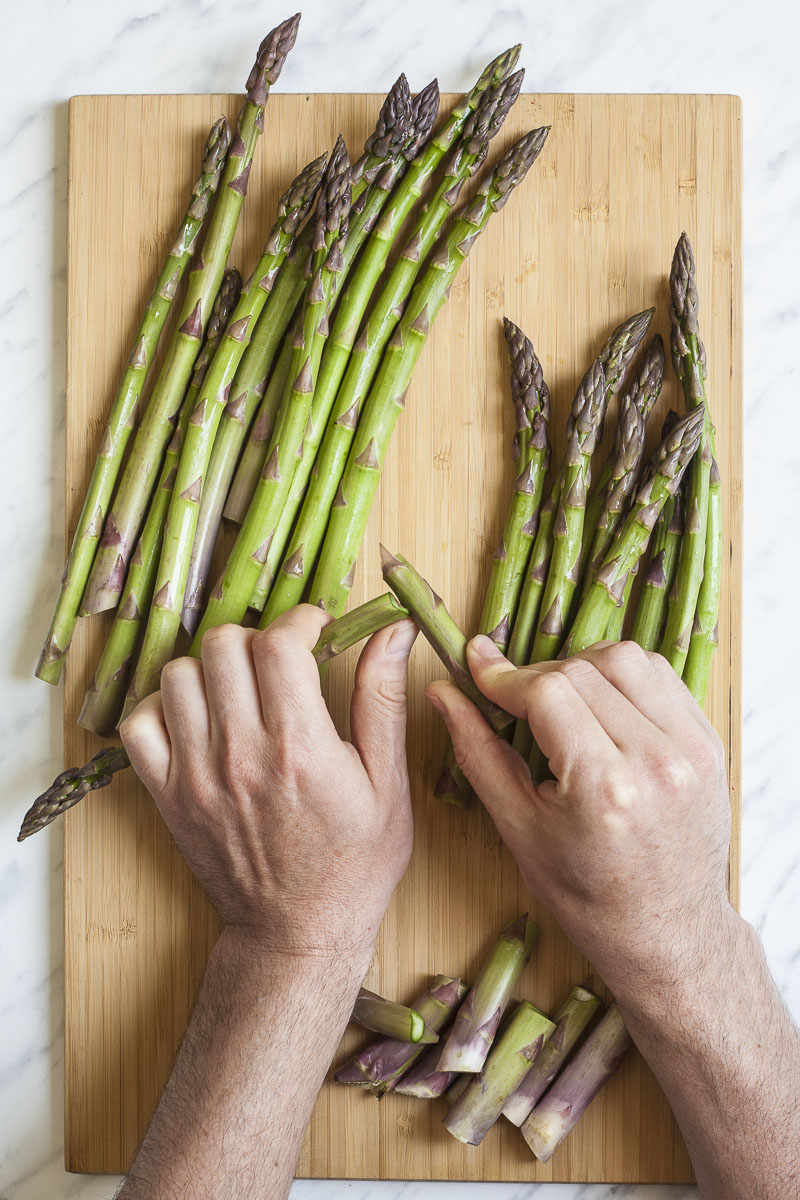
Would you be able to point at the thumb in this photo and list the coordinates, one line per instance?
(497, 773)
(379, 704)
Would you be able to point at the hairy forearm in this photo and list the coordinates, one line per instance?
(232, 1117)
(722, 1045)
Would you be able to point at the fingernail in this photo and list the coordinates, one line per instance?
(484, 647)
(436, 701)
(403, 637)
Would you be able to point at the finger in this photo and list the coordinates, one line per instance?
(183, 697)
(379, 705)
(565, 728)
(650, 684)
(145, 738)
(229, 673)
(496, 772)
(287, 673)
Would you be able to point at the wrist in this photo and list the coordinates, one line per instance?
(257, 953)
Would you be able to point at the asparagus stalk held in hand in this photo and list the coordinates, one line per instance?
(574, 1089)
(571, 1020)
(106, 692)
(402, 125)
(229, 599)
(391, 1019)
(334, 575)
(125, 409)
(705, 632)
(689, 361)
(476, 1023)
(615, 358)
(439, 628)
(381, 1064)
(662, 480)
(139, 478)
(662, 563)
(515, 1052)
(72, 785)
(334, 399)
(531, 399)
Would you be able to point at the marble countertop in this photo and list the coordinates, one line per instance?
(53, 49)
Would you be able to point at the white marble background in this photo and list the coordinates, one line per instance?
(51, 49)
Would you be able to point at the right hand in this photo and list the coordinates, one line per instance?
(628, 844)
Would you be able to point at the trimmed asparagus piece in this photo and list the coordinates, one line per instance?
(424, 1081)
(571, 1020)
(106, 692)
(516, 1051)
(436, 624)
(471, 1037)
(124, 410)
(335, 570)
(129, 509)
(391, 1019)
(662, 480)
(487, 100)
(577, 1085)
(382, 1064)
(72, 785)
(689, 361)
(412, 124)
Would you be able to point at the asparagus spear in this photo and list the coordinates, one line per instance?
(335, 569)
(106, 692)
(648, 625)
(471, 1037)
(489, 101)
(391, 1019)
(72, 785)
(532, 406)
(571, 1020)
(514, 1054)
(125, 408)
(705, 636)
(577, 1085)
(689, 361)
(128, 511)
(403, 126)
(615, 358)
(662, 480)
(436, 624)
(383, 1063)
(228, 600)
(424, 1081)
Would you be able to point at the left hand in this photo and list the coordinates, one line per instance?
(299, 838)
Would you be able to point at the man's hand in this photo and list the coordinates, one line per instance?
(628, 844)
(298, 837)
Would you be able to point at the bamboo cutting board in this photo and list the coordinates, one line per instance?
(586, 241)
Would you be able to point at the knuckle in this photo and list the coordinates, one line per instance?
(624, 655)
(577, 669)
(272, 643)
(220, 637)
(673, 772)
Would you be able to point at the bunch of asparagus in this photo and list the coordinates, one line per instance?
(488, 1056)
(277, 399)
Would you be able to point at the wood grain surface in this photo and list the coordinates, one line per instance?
(585, 241)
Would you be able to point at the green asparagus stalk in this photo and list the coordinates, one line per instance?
(648, 625)
(705, 635)
(662, 480)
(689, 361)
(574, 1089)
(104, 697)
(403, 126)
(532, 407)
(515, 1053)
(129, 509)
(381, 1065)
(470, 1039)
(293, 207)
(125, 408)
(228, 601)
(72, 785)
(615, 358)
(340, 398)
(439, 628)
(571, 1020)
(391, 1019)
(617, 619)
(336, 567)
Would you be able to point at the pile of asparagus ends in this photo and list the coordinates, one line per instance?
(277, 398)
(489, 1056)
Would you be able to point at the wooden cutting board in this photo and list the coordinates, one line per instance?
(586, 241)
